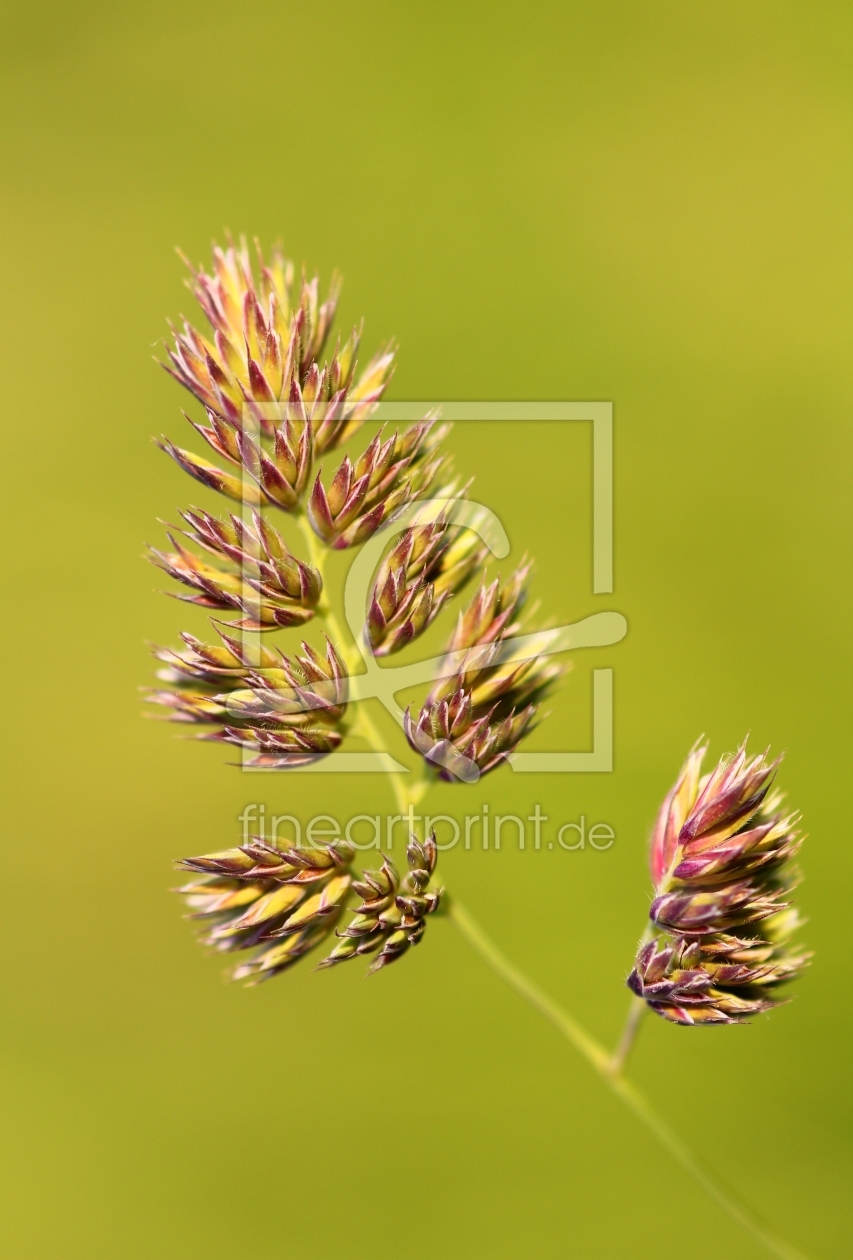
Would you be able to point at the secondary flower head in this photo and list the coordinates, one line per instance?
(462, 741)
(256, 574)
(721, 862)
(389, 474)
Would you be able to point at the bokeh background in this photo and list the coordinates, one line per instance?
(644, 203)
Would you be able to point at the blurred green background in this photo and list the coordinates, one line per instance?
(643, 203)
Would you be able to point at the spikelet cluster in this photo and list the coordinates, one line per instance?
(283, 902)
(257, 576)
(263, 352)
(722, 918)
(286, 711)
(388, 475)
(272, 410)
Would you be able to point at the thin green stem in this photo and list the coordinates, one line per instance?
(599, 1059)
(584, 1042)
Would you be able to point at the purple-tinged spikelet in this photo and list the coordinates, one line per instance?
(386, 476)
